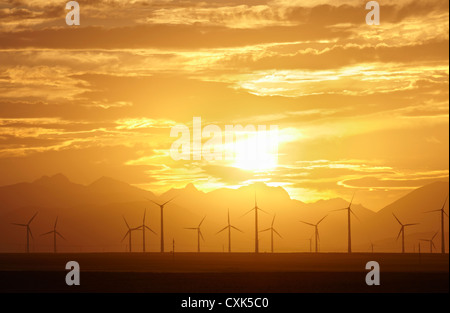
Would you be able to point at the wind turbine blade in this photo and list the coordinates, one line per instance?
(192, 228)
(32, 218)
(236, 229)
(400, 233)
(397, 219)
(225, 228)
(321, 220)
(337, 210)
(152, 201)
(247, 212)
(168, 201)
(262, 210)
(351, 211)
(60, 235)
(143, 220)
(277, 233)
(445, 213)
(273, 221)
(29, 229)
(307, 223)
(411, 224)
(56, 223)
(201, 235)
(261, 231)
(50, 232)
(19, 224)
(445, 202)
(351, 202)
(128, 226)
(434, 236)
(433, 211)
(201, 222)
(150, 229)
(125, 235)
(229, 217)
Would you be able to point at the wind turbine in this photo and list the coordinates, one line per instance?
(256, 208)
(402, 231)
(29, 233)
(161, 206)
(431, 242)
(372, 245)
(229, 227)
(349, 213)
(316, 227)
(128, 233)
(199, 233)
(310, 243)
(143, 227)
(442, 210)
(272, 230)
(54, 232)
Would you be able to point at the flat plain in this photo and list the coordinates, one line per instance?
(225, 273)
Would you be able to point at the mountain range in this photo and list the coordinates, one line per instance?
(91, 217)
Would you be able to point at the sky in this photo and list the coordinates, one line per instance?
(358, 107)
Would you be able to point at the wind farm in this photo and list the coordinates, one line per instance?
(443, 214)
(162, 206)
(55, 233)
(430, 241)
(256, 209)
(199, 233)
(129, 234)
(144, 227)
(229, 227)
(316, 231)
(193, 262)
(272, 232)
(402, 231)
(28, 231)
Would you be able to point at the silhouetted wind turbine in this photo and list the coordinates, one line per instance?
(310, 243)
(402, 231)
(349, 213)
(272, 230)
(161, 206)
(442, 210)
(256, 209)
(128, 233)
(316, 227)
(372, 245)
(29, 233)
(229, 227)
(199, 233)
(54, 232)
(144, 227)
(431, 242)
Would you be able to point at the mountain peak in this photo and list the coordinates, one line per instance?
(58, 179)
(190, 187)
(107, 182)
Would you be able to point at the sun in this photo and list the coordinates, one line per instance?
(257, 152)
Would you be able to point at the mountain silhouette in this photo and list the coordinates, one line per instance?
(91, 216)
(59, 191)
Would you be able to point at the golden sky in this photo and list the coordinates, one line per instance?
(358, 107)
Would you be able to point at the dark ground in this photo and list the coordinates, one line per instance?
(224, 273)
